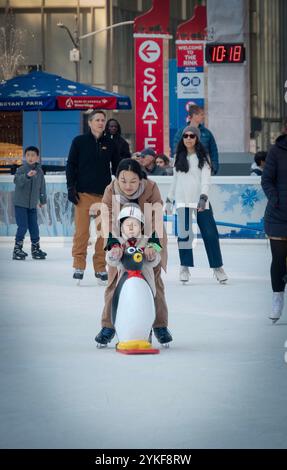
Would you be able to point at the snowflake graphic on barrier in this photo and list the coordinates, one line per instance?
(242, 195)
(249, 197)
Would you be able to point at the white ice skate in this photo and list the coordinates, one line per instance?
(220, 275)
(277, 306)
(184, 274)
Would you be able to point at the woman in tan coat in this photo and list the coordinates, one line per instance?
(130, 186)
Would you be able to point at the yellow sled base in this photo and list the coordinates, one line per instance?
(137, 346)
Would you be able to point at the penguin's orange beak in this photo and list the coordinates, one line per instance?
(137, 257)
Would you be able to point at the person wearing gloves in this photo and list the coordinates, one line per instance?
(189, 190)
(93, 158)
(131, 224)
(130, 186)
(274, 184)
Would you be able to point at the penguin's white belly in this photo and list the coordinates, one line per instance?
(136, 311)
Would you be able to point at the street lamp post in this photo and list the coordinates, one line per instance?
(75, 52)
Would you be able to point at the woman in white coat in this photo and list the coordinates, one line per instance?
(189, 191)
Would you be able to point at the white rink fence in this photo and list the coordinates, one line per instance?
(238, 204)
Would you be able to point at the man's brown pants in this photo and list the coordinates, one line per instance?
(82, 234)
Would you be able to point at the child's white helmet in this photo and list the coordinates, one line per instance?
(131, 210)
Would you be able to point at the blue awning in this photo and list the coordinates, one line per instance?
(44, 91)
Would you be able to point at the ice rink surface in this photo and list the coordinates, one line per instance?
(221, 384)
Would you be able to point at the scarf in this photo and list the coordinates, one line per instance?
(122, 198)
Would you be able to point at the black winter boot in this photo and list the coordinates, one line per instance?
(162, 335)
(18, 253)
(105, 336)
(37, 253)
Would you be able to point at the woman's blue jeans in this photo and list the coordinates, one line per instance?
(186, 238)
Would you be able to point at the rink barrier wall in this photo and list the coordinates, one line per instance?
(236, 200)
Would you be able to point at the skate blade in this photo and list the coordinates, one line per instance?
(102, 283)
(101, 346)
(184, 283)
(223, 282)
(165, 345)
(274, 320)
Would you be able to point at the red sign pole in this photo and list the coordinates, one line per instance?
(151, 78)
(151, 115)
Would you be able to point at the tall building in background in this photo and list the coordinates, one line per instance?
(107, 58)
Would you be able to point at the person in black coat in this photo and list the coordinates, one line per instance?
(113, 131)
(274, 184)
(92, 159)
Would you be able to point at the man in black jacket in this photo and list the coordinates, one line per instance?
(91, 160)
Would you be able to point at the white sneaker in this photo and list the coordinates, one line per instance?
(220, 275)
(184, 274)
(277, 306)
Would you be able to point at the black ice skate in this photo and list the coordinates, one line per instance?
(37, 253)
(102, 277)
(104, 337)
(78, 275)
(163, 336)
(18, 252)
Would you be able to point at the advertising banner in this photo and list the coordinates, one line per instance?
(190, 77)
(86, 102)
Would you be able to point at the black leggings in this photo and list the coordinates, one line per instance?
(278, 266)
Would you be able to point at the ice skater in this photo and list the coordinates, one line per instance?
(189, 190)
(274, 184)
(131, 186)
(30, 189)
(133, 308)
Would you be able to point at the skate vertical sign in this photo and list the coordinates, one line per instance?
(151, 77)
(149, 89)
(190, 47)
(190, 76)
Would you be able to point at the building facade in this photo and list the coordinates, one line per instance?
(107, 58)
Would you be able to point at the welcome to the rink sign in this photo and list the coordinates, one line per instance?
(151, 112)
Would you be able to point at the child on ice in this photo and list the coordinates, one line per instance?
(133, 308)
(131, 221)
(30, 188)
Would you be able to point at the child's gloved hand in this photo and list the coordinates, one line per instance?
(116, 253)
(149, 253)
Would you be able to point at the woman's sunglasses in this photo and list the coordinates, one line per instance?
(191, 136)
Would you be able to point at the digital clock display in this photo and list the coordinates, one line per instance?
(225, 53)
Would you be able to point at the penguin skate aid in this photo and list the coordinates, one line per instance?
(133, 308)
(146, 195)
